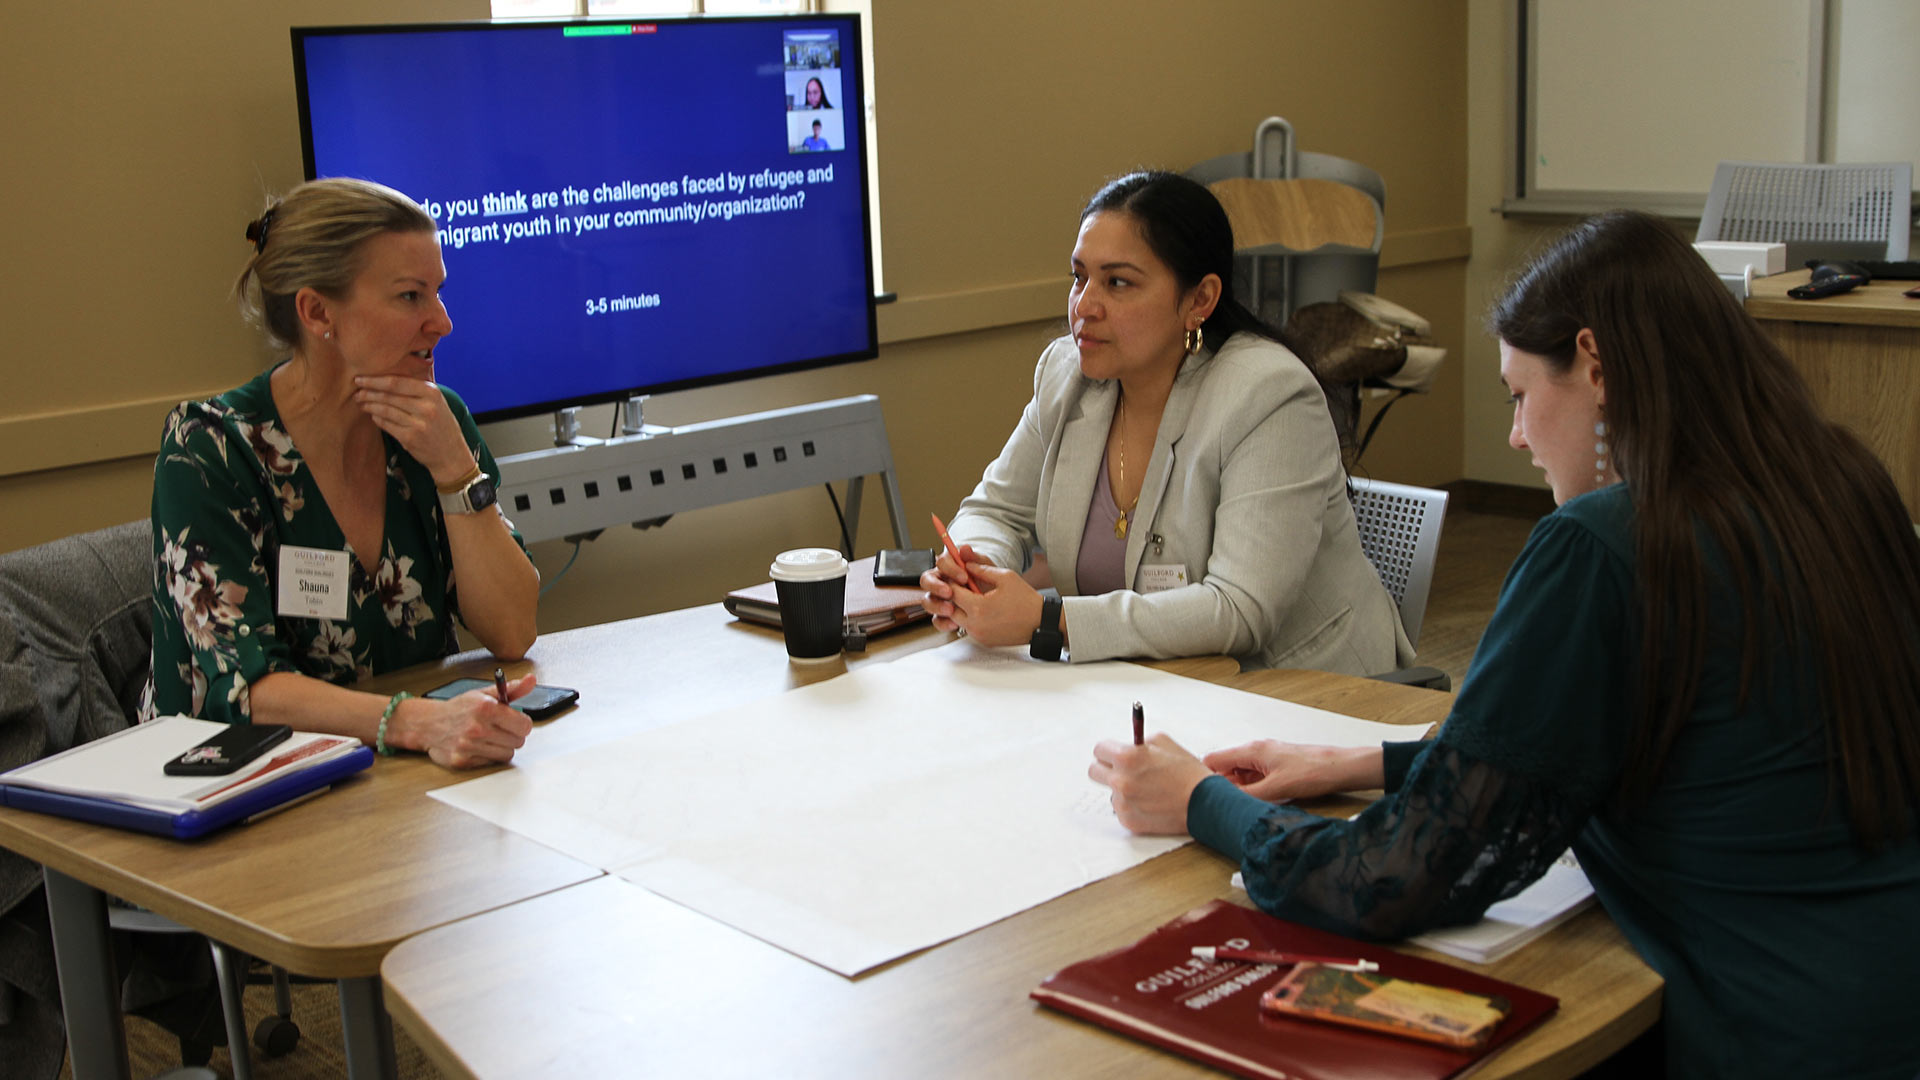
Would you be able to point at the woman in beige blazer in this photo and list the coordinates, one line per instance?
(1178, 466)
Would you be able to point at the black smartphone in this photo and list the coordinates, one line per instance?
(901, 566)
(538, 703)
(228, 750)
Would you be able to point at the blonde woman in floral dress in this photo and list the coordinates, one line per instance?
(331, 518)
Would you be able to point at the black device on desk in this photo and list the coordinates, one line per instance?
(538, 703)
(901, 566)
(228, 750)
(1830, 278)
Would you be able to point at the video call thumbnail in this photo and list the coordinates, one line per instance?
(815, 108)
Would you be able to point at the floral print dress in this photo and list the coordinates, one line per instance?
(229, 490)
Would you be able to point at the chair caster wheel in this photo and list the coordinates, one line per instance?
(276, 1035)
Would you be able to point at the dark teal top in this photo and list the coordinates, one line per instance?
(1787, 950)
(229, 489)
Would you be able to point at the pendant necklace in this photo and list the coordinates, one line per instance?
(1120, 523)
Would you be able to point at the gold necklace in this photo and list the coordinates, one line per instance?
(1120, 523)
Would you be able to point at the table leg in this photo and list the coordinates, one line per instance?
(89, 985)
(367, 1029)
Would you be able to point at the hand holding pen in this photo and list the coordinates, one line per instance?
(953, 552)
(1152, 778)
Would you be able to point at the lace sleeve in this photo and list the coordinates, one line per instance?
(1459, 835)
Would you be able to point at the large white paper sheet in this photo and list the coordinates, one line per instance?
(863, 818)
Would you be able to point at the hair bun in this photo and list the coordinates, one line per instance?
(257, 230)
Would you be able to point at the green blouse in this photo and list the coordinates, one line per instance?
(229, 490)
(1783, 943)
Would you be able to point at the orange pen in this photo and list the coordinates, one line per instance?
(941, 528)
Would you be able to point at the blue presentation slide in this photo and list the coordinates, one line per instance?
(619, 205)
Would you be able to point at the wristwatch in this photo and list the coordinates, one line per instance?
(476, 496)
(1047, 639)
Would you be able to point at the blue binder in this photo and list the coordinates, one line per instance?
(189, 824)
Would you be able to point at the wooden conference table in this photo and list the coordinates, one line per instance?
(1860, 354)
(505, 958)
(605, 978)
(327, 887)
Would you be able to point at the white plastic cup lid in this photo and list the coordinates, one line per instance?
(808, 564)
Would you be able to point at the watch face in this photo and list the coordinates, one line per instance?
(482, 493)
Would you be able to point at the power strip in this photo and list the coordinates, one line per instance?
(570, 490)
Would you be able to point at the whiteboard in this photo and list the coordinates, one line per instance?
(1633, 102)
(1649, 95)
(1873, 84)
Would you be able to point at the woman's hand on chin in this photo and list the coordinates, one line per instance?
(416, 414)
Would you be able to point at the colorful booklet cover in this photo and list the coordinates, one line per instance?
(1157, 991)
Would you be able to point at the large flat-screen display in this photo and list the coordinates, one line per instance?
(624, 208)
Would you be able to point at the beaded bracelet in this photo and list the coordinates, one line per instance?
(380, 735)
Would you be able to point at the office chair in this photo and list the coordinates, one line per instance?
(275, 1035)
(1307, 231)
(1277, 278)
(1400, 535)
(1824, 211)
(76, 647)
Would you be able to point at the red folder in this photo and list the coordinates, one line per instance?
(1157, 991)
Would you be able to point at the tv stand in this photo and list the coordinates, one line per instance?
(585, 484)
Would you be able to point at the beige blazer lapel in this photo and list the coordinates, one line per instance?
(1160, 466)
(1083, 442)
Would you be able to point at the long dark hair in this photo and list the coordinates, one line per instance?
(1188, 230)
(1718, 441)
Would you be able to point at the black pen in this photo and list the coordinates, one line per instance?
(500, 684)
(1139, 725)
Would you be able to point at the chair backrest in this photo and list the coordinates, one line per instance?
(1297, 217)
(1834, 211)
(1275, 283)
(1400, 534)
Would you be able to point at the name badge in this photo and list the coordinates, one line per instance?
(313, 582)
(1160, 578)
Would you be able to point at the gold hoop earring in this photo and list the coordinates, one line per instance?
(1195, 341)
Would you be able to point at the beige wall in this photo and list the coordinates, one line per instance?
(149, 139)
(1499, 245)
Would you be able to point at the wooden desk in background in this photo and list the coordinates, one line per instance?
(607, 979)
(1860, 354)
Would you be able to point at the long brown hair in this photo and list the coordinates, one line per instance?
(1718, 441)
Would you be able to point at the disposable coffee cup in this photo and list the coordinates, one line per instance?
(812, 586)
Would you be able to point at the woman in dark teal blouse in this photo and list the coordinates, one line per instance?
(1703, 674)
(329, 519)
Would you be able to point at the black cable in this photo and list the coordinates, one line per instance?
(546, 585)
(846, 538)
(1377, 417)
